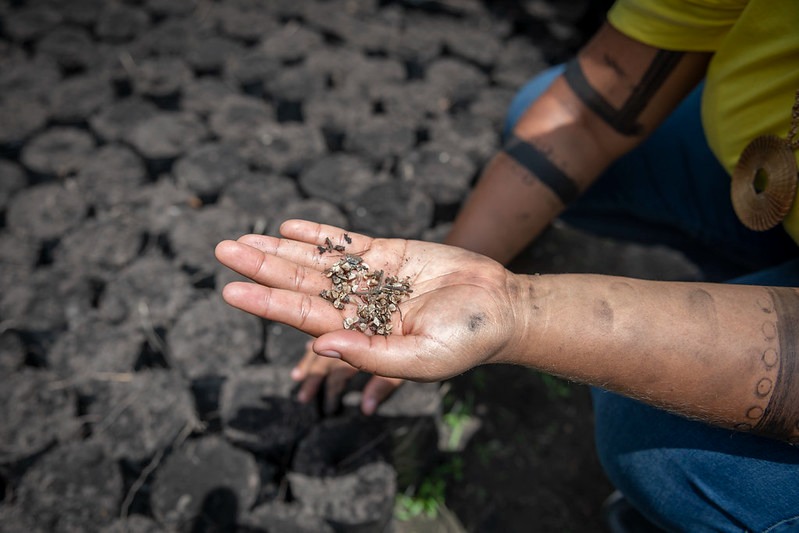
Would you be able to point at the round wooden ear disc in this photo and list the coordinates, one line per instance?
(764, 183)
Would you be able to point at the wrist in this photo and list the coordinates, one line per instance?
(527, 300)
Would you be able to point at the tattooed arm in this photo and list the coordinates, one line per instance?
(610, 98)
(724, 354)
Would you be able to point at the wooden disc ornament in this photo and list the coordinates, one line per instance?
(764, 183)
(764, 180)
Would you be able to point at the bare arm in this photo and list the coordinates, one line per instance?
(724, 354)
(610, 100)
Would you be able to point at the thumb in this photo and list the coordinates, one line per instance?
(397, 356)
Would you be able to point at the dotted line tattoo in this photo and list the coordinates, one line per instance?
(776, 394)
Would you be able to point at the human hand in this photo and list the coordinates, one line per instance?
(460, 314)
(313, 370)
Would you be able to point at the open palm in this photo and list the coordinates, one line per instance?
(459, 314)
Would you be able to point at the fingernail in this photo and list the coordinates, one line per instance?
(296, 374)
(369, 405)
(330, 353)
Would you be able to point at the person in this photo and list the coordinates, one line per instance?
(696, 392)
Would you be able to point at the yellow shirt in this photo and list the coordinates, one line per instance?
(753, 76)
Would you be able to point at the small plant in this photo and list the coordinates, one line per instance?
(557, 389)
(429, 497)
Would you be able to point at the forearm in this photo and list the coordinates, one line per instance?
(725, 354)
(510, 205)
(610, 100)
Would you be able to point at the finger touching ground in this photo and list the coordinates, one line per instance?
(302, 311)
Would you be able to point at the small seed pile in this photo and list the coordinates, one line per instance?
(379, 295)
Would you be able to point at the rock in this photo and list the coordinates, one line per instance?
(260, 196)
(20, 118)
(45, 212)
(112, 176)
(151, 291)
(285, 345)
(30, 23)
(70, 47)
(195, 233)
(167, 135)
(237, 116)
(120, 22)
(259, 411)
(12, 179)
(314, 209)
(211, 338)
(380, 139)
(75, 487)
(283, 148)
(75, 99)
(93, 348)
(140, 415)
(207, 168)
(209, 55)
(339, 178)
(291, 43)
(113, 121)
(444, 175)
(205, 483)
(391, 209)
(37, 410)
(339, 473)
(286, 518)
(58, 152)
(162, 80)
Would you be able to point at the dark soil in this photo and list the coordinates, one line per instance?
(133, 137)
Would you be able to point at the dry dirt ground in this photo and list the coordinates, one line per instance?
(136, 134)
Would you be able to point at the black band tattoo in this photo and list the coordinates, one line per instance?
(624, 120)
(542, 168)
(781, 416)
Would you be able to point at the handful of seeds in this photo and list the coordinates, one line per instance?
(379, 295)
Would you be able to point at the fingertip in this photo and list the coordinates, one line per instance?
(368, 405)
(297, 374)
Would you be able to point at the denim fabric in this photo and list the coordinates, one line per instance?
(681, 474)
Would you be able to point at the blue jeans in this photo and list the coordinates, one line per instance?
(684, 475)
